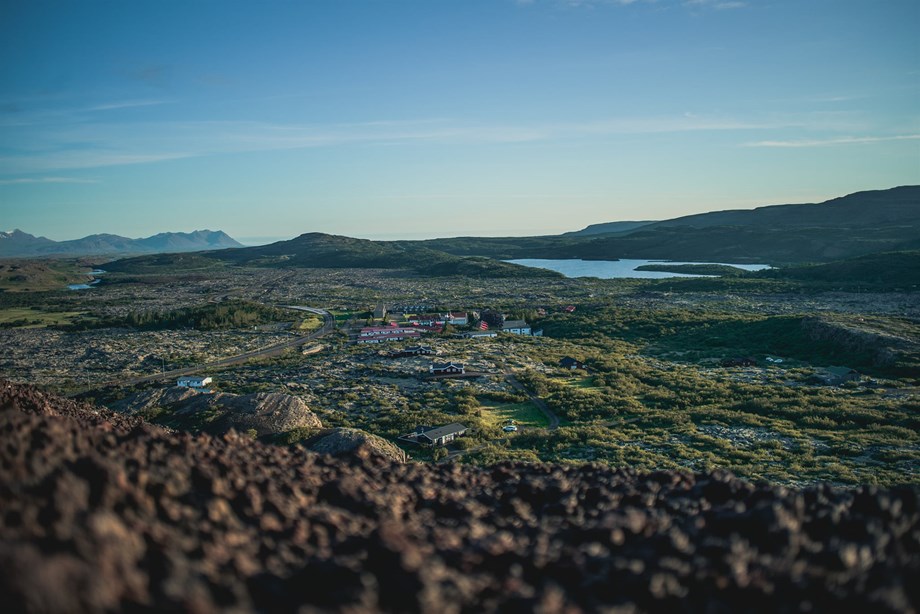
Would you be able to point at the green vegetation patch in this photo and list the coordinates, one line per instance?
(22, 317)
(880, 346)
(212, 316)
(40, 275)
(310, 324)
(718, 270)
(888, 270)
(524, 414)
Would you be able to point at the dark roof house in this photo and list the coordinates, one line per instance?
(570, 363)
(834, 376)
(416, 350)
(451, 368)
(435, 436)
(443, 434)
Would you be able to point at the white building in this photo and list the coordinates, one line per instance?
(193, 381)
(518, 327)
(456, 318)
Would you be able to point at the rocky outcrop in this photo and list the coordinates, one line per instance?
(346, 441)
(883, 348)
(266, 413)
(100, 512)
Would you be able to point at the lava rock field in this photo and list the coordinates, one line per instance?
(100, 512)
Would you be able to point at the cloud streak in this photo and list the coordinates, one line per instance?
(28, 180)
(98, 144)
(846, 140)
(716, 4)
(125, 104)
(89, 145)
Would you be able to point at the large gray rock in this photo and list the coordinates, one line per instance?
(267, 413)
(346, 441)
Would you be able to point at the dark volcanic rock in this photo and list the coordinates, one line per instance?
(265, 412)
(342, 441)
(99, 512)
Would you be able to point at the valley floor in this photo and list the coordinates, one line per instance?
(677, 373)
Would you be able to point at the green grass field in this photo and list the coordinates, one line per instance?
(39, 276)
(582, 383)
(523, 414)
(310, 324)
(21, 317)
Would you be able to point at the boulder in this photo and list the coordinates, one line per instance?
(347, 441)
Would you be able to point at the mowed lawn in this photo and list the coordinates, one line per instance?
(310, 324)
(524, 414)
(23, 317)
(578, 382)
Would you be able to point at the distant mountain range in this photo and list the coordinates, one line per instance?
(18, 244)
(847, 227)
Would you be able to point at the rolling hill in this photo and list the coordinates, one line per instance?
(607, 228)
(322, 251)
(848, 227)
(898, 206)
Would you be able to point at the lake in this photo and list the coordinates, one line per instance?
(619, 269)
(94, 272)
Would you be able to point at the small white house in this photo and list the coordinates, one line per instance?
(456, 318)
(194, 381)
(517, 327)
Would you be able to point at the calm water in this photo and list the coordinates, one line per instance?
(95, 272)
(616, 269)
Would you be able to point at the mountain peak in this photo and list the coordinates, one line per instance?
(18, 244)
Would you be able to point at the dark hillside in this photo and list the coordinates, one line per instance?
(886, 270)
(321, 251)
(741, 244)
(853, 225)
(874, 208)
(608, 228)
(318, 250)
(102, 513)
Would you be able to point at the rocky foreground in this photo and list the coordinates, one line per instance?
(100, 512)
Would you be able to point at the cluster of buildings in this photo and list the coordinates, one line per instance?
(381, 334)
(404, 325)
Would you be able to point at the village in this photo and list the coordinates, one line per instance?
(457, 349)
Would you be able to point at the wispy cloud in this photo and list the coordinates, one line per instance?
(583, 3)
(830, 142)
(26, 180)
(716, 4)
(91, 144)
(126, 104)
(589, 4)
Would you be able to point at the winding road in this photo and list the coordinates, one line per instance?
(272, 350)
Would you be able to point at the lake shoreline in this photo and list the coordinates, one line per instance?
(624, 268)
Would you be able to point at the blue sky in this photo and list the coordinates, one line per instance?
(444, 118)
